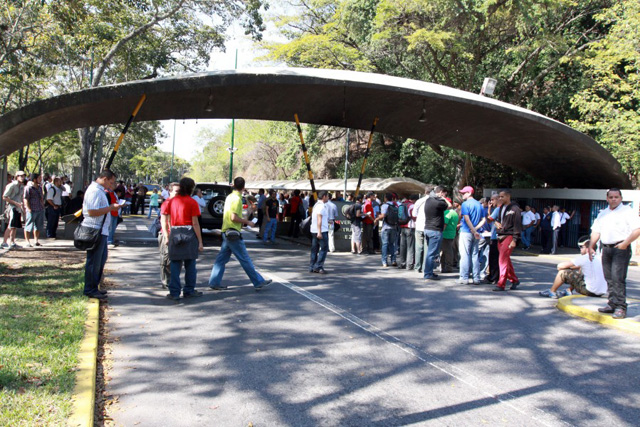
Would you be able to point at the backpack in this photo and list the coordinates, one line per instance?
(305, 227)
(403, 214)
(350, 212)
(155, 227)
(391, 216)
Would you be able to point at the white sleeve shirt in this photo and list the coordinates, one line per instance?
(616, 225)
(555, 220)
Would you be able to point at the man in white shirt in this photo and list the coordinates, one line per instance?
(197, 196)
(564, 225)
(616, 227)
(332, 212)
(166, 194)
(582, 274)
(556, 217)
(528, 222)
(418, 209)
(320, 234)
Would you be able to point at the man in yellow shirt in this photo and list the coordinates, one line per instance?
(232, 242)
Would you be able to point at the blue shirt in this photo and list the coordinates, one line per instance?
(494, 230)
(95, 198)
(474, 210)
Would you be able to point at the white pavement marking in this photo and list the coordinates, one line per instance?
(433, 361)
(141, 227)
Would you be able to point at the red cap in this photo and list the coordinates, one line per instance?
(467, 189)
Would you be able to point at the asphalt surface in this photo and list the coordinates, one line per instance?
(360, 346)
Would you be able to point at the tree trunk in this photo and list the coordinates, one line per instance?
(87, 137)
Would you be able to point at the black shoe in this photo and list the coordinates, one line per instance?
(486, 281)
(498, 289)
(607, 309)
(320, 271)
(219, 288)
(620, 313)
(102, 292)
(172, 298)
(434, 277)
(193, 294)
(410, 267)
(394, 264)
(263, 284)
(96, 295)
(402, 266)
(514, 285)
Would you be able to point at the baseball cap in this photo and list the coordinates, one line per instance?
(467, 189)
(20, 173)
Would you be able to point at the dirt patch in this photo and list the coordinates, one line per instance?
(19, 258)
(105, 403)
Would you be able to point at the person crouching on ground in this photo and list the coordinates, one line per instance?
(232, 242)
(581, 274)
(182, 230)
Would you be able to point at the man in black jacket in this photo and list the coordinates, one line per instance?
(509, 227)
(434, 208)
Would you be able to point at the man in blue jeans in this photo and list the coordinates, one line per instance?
(389, 230)
(473, 218)
(434, 208)
(232, 242)
(319, 234)
(96, 209)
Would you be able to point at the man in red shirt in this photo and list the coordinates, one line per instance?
(367, 224)
(295, 203)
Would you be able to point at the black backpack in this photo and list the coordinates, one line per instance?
(391, 216)
(350, 212)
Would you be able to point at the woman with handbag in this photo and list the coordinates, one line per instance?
(180, 225)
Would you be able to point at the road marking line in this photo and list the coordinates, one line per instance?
(433, 361)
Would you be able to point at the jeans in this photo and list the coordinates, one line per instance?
(526, 236)
(190, 274)
(419, 255)
(96, 259)
(469, 257)
(432, 241)
(53, 217)
(504, 260)
(615, 263)
(407, 246)
(319, 249)
(239, 250)
(388, 245)
(112, 229)
(151, 209)
(270, 227)
(483, 254)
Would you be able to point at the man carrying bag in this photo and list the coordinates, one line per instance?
(94, 208)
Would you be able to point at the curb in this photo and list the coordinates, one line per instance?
(84, 392)
(565, 304)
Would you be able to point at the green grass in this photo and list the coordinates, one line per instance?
(42, 315)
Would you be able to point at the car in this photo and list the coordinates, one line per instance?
(150, 188)
(214, 195)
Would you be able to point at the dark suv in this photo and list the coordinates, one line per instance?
(214, 194)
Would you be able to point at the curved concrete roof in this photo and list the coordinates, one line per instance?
(496, 130)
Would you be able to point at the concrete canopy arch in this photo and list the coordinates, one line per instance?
(514, 136)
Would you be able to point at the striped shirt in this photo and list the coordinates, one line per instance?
(95, 198)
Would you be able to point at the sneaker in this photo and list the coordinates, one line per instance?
(193, 294)
(320, 271)
(432, 278)
(38, 244)
(263, 284)
(563, 293)
(476, 283)
(606, 309)
(619, 313)
(172, 298)
(219, 288)
(394, 264)
(548, 293)
(29, 245)
(4, 246)
(385, 266)
(498, 289)
(462, 281)
(514, 285)
(15, 246)
(102, 292)
(96, 295)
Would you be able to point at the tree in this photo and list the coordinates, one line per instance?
(609, 105)
(153, 165)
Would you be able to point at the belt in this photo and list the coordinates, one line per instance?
(612, 245)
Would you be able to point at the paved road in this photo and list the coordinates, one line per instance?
(360, 346)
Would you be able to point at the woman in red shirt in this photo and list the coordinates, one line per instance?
(180, 223)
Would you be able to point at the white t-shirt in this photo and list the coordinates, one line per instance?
(319, 208)
(593, 274)
(615, 225)
(537, 217)
(528, 218)
(419, 209)
(555, 220)
(564, 217)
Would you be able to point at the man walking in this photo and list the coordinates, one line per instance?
(269, 217)
(96, 210)
(472, 218)
(509, 228)
(434, 208)
(320, 234)
(232, 242)
(616, 227)
(12, 196)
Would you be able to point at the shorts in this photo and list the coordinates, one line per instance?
(575, 279)
(356, 233)
(34, 221)
(15, 218)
